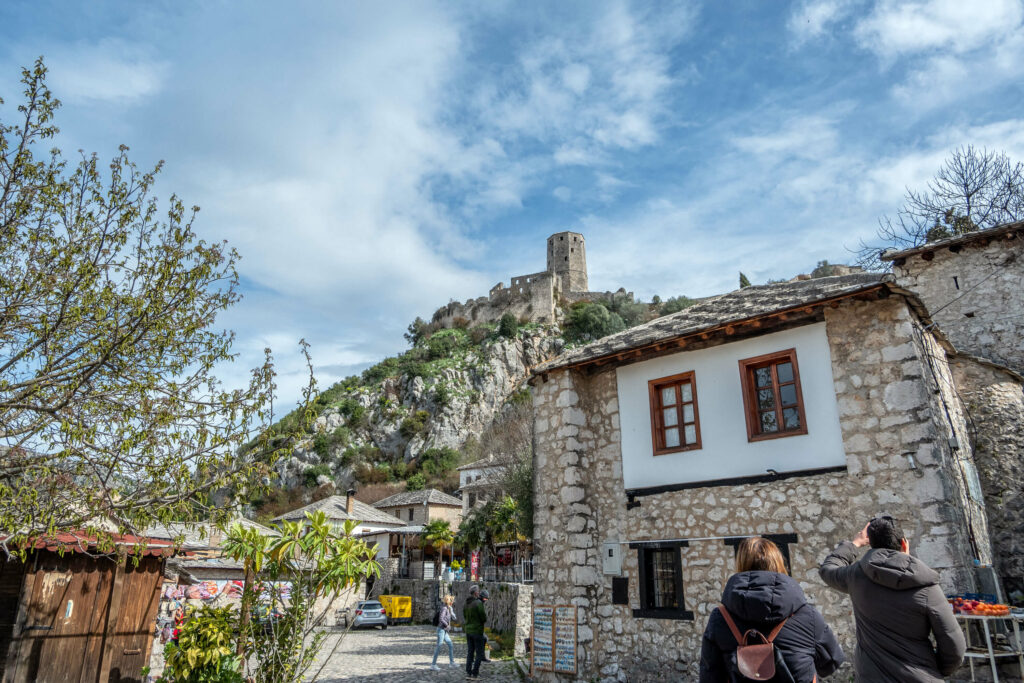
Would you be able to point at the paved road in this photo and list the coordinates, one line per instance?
(401, 654)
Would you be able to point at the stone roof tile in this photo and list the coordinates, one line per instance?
(431, 496)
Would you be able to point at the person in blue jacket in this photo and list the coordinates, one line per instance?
(760, 595)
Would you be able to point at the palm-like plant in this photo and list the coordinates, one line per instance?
(438, 533)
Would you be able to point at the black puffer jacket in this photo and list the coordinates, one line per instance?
(761, 600)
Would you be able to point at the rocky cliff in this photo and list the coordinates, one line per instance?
(442, 402)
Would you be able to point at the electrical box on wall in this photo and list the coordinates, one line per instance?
(611, 558)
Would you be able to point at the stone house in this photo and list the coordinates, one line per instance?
(419, 507)
(340, 509)
(974, 286)
(479, 481)
(796, 411)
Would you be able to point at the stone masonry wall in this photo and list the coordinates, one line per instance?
(508, 608)
(887, 412)
(995, 403)
(534, 301)
(981, 310)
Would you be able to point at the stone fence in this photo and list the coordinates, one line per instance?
(508, 608)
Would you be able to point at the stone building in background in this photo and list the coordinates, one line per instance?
(796, 411)
(536, 297)
(974, 287)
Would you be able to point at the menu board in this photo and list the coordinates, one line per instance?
(554, 638)
(565, 639)
(543, 645)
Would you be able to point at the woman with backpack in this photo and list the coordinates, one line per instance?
(764, 630)
(443, 622)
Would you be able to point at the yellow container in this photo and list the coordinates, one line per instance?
(397, 607)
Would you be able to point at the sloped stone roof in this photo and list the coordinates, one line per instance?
(334, 507)
(431, 496)
(962, 240)
(733, 307)
(198, 535)
(480, 464)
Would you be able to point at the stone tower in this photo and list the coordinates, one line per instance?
(567, 261)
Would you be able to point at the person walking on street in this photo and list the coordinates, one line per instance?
(444, 627)
(474, 616)
(763, 597)
(898, 604)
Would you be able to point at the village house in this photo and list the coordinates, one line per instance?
(479, 481)
(340, 509)
(419, 507)
(796, 411)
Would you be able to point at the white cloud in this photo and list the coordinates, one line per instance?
(562, 193)
(109, 70)
(814, 18)
(951, 26)
(802, 136)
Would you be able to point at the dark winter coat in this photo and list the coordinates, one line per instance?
(474, 616)
(761, 600)
(898, 603)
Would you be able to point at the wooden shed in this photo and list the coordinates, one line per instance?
(69, 615)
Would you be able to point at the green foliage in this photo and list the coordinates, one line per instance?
(205, 652)
(632, 312)
(744, 281)
(389, 367)
(520, 397)
(320, 563)
(311, 474)
(321, 445)
(588, 321)
(353, 411)
(508, 326)
(480, 333)
(438, 533)
(444, 343)
(442, 394)
(676, 304)
(823, 269)
(109, 334)
(418, 329)
(437, 461)
(414, 424)
(416, 482)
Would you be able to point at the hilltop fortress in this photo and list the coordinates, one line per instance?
(537, 297)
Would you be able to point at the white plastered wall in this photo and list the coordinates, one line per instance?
(725, 452)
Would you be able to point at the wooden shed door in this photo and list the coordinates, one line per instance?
(86, 620)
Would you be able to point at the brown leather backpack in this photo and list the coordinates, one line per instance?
(755, 660)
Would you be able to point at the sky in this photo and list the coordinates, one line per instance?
(372, 161)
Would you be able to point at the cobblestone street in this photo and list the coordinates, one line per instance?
(402, 654)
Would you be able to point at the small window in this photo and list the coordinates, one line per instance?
(472, 500)
(772, 397)
(675, 423)
(410, 514)
(398, 513)
(661, 582)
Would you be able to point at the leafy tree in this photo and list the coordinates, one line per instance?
(974, 189)
(588, 321)
(418, 329)
(311, 475)
(676, 304)
(416, 482)
(744, 281)
(318, 563)
(823, 269)
(204, 652)
(438, 533)
(109, 406)
(508, 326)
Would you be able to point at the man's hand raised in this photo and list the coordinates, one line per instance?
(861, 539)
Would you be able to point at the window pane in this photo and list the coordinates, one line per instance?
(690, 432)
(768, 422)
(785, 371)
(668, 396)
(788, 394)
(661, 579)
(671, 437)
(671, 416)
(688, 413)
(763, 377)
(687, 392)
(792, 418)
(765, 399)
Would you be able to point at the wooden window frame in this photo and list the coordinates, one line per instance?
(747, 367)
(654, 388)
(646, 612)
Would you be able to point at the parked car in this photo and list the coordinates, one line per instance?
(365, 613)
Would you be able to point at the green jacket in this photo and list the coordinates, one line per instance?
(474, 616)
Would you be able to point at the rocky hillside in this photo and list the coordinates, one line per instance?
(417, 412)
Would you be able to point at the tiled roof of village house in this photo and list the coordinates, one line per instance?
(489, 461)
(431, 496)
(971, 237)
(334, 507)
(742, 304)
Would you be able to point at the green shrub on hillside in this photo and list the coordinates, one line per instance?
(414, 424)
(676, 304)
(588, 321)
(311, 474)
(508, 326)
(416, 482)
(437, 461)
